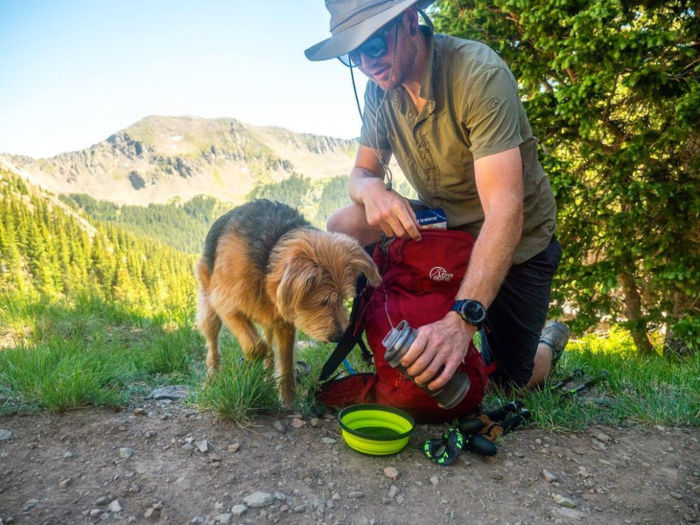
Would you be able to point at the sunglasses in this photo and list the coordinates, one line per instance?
(374, 47)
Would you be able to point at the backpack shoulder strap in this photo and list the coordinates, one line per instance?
(351, 338)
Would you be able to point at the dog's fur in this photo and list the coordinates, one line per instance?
(264, 263)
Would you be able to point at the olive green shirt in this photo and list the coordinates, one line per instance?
(472, 111)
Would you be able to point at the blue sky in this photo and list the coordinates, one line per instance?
(73, 72)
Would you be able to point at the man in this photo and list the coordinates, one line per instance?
(448, 109)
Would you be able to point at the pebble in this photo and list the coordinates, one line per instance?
(198, 520)
(150, 434)
(152, 514)
(102, 500)
(570, 513)
(279, 426)
(158, 506)
(172, 392)
(140, 412)
(30, 504)
(234, 448)
(314, 422)
(239, 510)
(299, 509)
(95, 513)
(563, 501)
(202, 446)
(676, 495)
(391, 472)
(400, 500)
(64, 484)
(115, 506)
(298, 423)
(518, 454)
(329, 441)
(68, 455)
(509, 464)
(393, 490)
(355, 494)
(549, 476)
(126, 453)
(259, 499)
(583, 472)
(224, 518)
(602, 436)
(5, 434)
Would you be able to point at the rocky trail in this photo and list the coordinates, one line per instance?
(164, 462)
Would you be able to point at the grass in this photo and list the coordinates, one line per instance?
(59, 355)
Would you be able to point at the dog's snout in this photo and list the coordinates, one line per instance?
(337, 336)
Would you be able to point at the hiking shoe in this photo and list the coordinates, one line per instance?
(555, 335)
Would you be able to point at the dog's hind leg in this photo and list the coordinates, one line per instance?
(253, 346)
(284, 335)
(209, 324)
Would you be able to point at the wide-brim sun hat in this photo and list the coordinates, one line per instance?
(354, 21)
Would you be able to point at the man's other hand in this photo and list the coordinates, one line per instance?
(438, 350)
(388, 211)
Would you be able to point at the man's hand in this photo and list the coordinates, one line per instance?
(388, 211)
(440, 344)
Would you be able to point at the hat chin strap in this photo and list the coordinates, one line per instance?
(375, 146)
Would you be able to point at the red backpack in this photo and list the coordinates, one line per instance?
(420, 282)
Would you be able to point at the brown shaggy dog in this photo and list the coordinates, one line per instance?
(264, 263)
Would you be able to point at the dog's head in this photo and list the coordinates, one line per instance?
(312, 274)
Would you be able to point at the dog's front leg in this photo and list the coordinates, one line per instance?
(284, 334)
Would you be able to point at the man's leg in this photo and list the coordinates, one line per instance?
(515, 320)
(352, 220)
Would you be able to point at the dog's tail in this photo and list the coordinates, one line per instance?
(203, 275)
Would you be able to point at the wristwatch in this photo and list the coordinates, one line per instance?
(471, 311)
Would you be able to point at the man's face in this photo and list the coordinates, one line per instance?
(400, 49)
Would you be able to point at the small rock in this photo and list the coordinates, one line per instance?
(329, 441)
(298, 423)
(140, 412)
(150, 434)
(152, 514)
(29, 505)
(314, 422)
(173, 392)
(583, 472)
(239, 510)
(518, 454)
(660, 427)
(509, 464)
(676, 495)
(102, 500)
(223, 518)
(202, 446)
(115, 506)
(434, 480)
(64, 484)
(570, 513)
(391, 473)
(234, 448)
(158, 506)
(259, 499)
(549, 476)
(198, 520)
(187, 447)
(400, 500)
(279, 426)
(68, 455)
(393, 490)
(563, 501)
(126, 453)
(280, 497)
(355, 494)
(299, 509)
(602, 436)
(5, 434)
(96, 513)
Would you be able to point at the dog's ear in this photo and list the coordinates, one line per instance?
(366, 266)
(297, 281)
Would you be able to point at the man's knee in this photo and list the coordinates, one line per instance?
(337, 223)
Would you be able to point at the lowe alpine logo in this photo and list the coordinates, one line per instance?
(440, 274)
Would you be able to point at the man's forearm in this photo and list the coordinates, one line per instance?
(359, 179)
(492, 256)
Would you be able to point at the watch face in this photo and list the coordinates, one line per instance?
(473, 312)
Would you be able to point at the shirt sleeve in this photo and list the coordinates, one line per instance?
(368, 136)
(493, 113)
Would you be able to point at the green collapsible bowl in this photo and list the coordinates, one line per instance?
(375, 429)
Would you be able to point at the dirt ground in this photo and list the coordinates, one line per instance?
(309, 475)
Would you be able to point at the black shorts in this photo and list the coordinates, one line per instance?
(517, 315)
